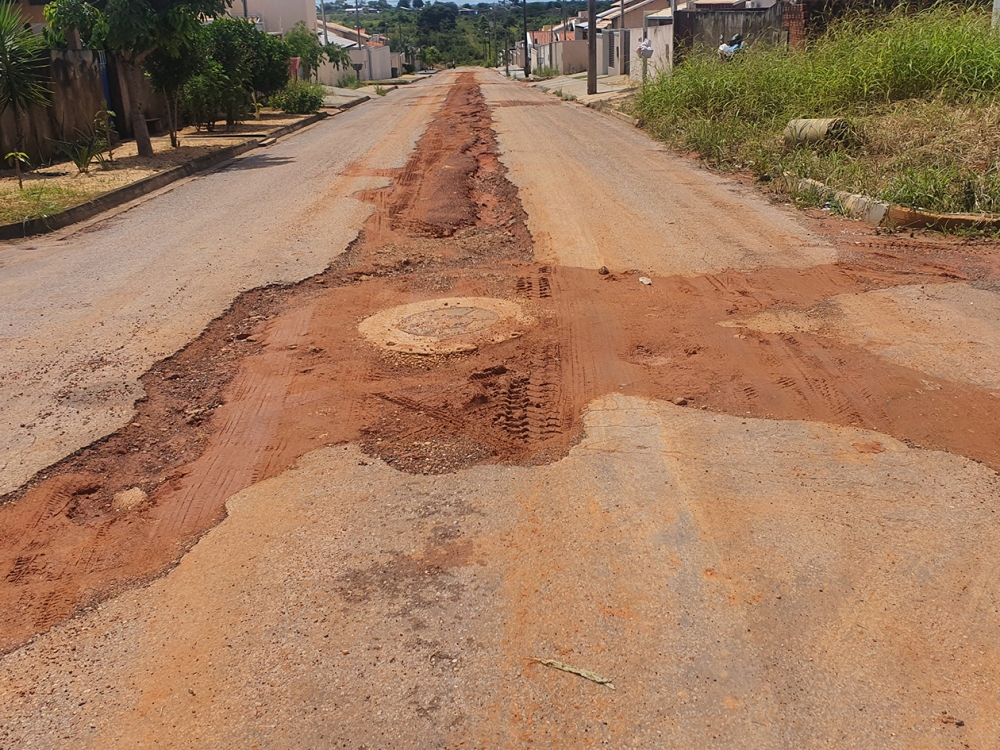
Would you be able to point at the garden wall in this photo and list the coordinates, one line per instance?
(79, 89)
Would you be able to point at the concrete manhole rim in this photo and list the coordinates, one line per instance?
(482, 321)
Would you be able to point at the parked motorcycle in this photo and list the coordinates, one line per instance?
(729, 50)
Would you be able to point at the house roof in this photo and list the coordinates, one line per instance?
(343, 31)
(666, 14)
(334, 38)
(608, 17)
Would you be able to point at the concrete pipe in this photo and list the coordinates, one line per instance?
(813, 131)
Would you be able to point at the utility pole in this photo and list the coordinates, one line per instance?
(245, 14)
(527, 61)
(326, 33)
(621, 36)
(506, 40)
(357, 30)
(996, 15)
(506, 50)
(591, 47)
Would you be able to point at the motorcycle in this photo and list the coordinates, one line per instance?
(729, 50)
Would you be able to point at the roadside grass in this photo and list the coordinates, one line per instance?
(920, 91)
(351, 82)
(544, 71)
(38, 199)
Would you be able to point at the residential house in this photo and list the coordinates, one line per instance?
(377, 62)
(276, 16)
(634, 12)
(345, 32)
(31, 12)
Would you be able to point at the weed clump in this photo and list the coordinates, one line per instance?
(918, 88)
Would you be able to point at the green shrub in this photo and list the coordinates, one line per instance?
(82, 151)
(350, 81)
(545, 71)
(208, 96)
(299, 98)
(919, 89)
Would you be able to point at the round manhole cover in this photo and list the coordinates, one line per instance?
(448, 321)
(442, 326)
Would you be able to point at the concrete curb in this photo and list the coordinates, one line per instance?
(352, 103)
(634, 121)
(881, 213)
(137, 189)
(901, 216)
(852, 204)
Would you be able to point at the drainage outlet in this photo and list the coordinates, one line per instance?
(446, 326)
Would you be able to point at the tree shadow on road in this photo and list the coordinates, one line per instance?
(259, 161)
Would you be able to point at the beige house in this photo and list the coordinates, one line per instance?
(31, 10)
(276, 16)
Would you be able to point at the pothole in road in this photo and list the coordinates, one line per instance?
(446, 326)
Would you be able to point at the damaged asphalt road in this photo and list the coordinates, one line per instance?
(757, 495)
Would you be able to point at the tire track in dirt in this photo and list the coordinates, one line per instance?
(285, 372)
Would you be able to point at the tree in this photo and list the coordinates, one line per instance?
(339, 57)
(270, 72)
(73, 23)
(251, 62)
(23, 71)
(133, 30)
(304, 44)
(404, 4)
(437, 17)
(418, 4)
(204, 94)
(169, 72)
(430, 55)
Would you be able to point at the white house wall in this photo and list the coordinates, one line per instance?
(278, 15)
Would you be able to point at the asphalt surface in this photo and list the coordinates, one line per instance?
(742, 581)
(87, 311)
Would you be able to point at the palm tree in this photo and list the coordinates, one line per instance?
(22, 72)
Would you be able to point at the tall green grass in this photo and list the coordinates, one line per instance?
(921, 90)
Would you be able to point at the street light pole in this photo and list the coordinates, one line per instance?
(591, 47)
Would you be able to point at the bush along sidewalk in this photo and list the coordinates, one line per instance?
(918, 92)
(299, 98)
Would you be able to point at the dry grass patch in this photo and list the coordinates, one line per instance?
(920, 91)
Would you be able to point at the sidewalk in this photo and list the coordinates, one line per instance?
(341, 98)
(575, 85)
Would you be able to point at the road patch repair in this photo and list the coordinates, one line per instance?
(445, 326)
(378, 507)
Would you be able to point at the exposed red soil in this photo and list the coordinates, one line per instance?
(285, 371)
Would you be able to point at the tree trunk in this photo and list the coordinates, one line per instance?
(18, 146)
(173, 118)
(133, 82)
